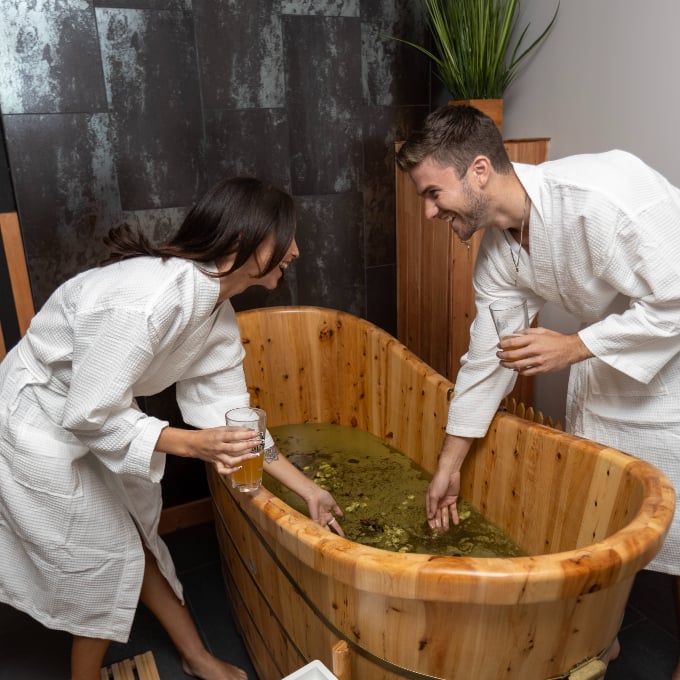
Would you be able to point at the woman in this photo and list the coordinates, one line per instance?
(80, 464)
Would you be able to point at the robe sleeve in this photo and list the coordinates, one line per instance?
(643, 264)
(112, 348)
(482, 382)
(215, 382)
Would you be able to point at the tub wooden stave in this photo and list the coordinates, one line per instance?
(600, 513)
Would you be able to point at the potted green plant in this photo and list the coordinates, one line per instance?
(472, 46)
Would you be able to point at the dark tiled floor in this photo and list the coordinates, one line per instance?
(649, 636)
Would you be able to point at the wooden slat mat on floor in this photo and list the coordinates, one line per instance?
(140, 667)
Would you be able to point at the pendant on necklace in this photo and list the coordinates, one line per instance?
(516, 260)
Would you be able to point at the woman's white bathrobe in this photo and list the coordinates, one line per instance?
(79, 478)
(605, 246)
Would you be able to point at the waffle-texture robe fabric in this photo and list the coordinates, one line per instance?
(79, 477)
(604, 243)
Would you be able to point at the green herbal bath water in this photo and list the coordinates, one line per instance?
(382, 493)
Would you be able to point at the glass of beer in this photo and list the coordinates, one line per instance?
(249, 477)
(509, 316)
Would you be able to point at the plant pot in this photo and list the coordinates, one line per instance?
(491, 107)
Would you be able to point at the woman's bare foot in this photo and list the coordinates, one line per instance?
(613, 652)
(676, 672)
(209, 667)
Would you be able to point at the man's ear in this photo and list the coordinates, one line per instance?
(480, 169)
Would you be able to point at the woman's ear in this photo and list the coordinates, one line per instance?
(225, 262)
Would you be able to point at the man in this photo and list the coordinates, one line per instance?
(598, 235)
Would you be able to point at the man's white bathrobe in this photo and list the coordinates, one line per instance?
(79, 477)
(604, 245)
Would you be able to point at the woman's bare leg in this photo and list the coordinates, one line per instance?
(613, 652)
(87, 656)
(159, 597)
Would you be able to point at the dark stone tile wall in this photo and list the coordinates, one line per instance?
(67, 195)
(127, 110)
(50, 59)
(9, 325)
(7, 203)
(324, 103)
(124, 109)
(150, 70)
(241, 54)
(247, 142)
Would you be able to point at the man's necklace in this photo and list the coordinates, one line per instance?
(515, 260)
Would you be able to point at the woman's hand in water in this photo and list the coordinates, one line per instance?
(323, 508)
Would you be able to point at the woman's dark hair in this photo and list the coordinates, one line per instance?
(454, 136)
(234, 217)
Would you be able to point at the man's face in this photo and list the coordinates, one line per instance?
(448, 197)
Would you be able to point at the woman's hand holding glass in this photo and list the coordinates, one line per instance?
(226, 447)
(231, 447)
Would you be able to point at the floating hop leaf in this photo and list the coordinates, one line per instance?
(464, 514)
(465, 546)
(325, 471)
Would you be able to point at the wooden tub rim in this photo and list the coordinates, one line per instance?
(512, 580)
(532, 579)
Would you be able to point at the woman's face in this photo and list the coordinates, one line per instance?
(258, 261)
(250, 274)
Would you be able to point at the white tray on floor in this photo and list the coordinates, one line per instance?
(314, 670)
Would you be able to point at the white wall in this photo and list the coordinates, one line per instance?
(606, 77)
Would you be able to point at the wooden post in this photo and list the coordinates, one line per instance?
(341, 660)
(18, 272)
(21, 300)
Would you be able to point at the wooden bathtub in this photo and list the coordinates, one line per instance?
(589, 516)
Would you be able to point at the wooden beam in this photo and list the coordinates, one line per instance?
(186, 515)
(16, 266)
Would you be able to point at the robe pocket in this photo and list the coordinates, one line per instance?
(606, 381)
(55, 474)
